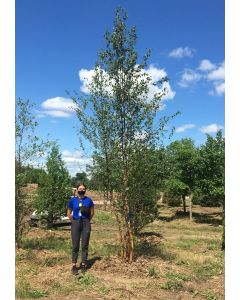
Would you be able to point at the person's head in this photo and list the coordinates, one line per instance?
(81, 188)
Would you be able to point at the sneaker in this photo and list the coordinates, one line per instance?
(74, 270)
(83, 267)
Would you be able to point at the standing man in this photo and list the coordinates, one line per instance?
(80, 212)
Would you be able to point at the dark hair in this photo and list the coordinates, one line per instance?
(81, 183)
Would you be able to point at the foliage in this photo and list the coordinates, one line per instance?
(182, 159)
(174, 189)
(54, 189)
(80, 177)
(210, 172)
(28, 149)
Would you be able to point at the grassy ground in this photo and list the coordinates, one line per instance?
(176, 259)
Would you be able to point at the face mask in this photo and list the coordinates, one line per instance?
(81, 193)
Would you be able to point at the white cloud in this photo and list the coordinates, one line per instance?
(189, 77)
(220, 88)
(58, 107)
(156, 74)
(59, 103)
(56, 113)
(206, 71)
(217, 76)
(181, 52)
(85, 77)
(185, 127)
(40, 115)
(218, 73)
(75, 161)
(206, 65)
(212, 128)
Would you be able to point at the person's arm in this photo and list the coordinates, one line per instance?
(69, 214)
(91, 212)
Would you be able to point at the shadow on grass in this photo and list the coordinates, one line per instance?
(150, 233)
(147, 249)
(214, 219)
(92, 261)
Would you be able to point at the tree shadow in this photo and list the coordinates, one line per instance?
(150, 233)
(213, 219)
(92, 261)
(150, 249)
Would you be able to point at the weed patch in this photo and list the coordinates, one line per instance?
(88, 280)
(152, 272)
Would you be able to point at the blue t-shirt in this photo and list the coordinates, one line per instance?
(75, 203)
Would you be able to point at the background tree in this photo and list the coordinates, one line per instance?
(33, 174)
(210, 172)
(183, 160)
(28, 149)
(211, 175)
(55, 187)
(121, 124)
(80, 177)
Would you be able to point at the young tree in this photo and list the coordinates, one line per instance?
(121, 123)
(55, 187)
(183, 159)
(28, 149)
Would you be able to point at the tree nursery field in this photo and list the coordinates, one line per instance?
(175, 258)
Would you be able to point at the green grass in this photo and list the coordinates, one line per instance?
(103, 290)
(187, 244)
(87, 281)
(104, 250)
(205, 271)
(104, 218)
(29, 255)
(214, 245)
(153, 272)
(209, 295)
(51, 261)
(24, 290)
(172, 284)
(177, 276)
(54, 243)
(175, 281)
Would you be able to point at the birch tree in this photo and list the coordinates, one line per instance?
(118, 119)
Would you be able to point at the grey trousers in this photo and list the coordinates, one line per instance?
(80, 229)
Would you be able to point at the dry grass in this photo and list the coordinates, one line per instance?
(176, 259)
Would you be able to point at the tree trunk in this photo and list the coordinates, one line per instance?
(184, 202)
(190, 207)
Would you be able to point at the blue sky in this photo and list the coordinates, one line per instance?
(57, 40)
